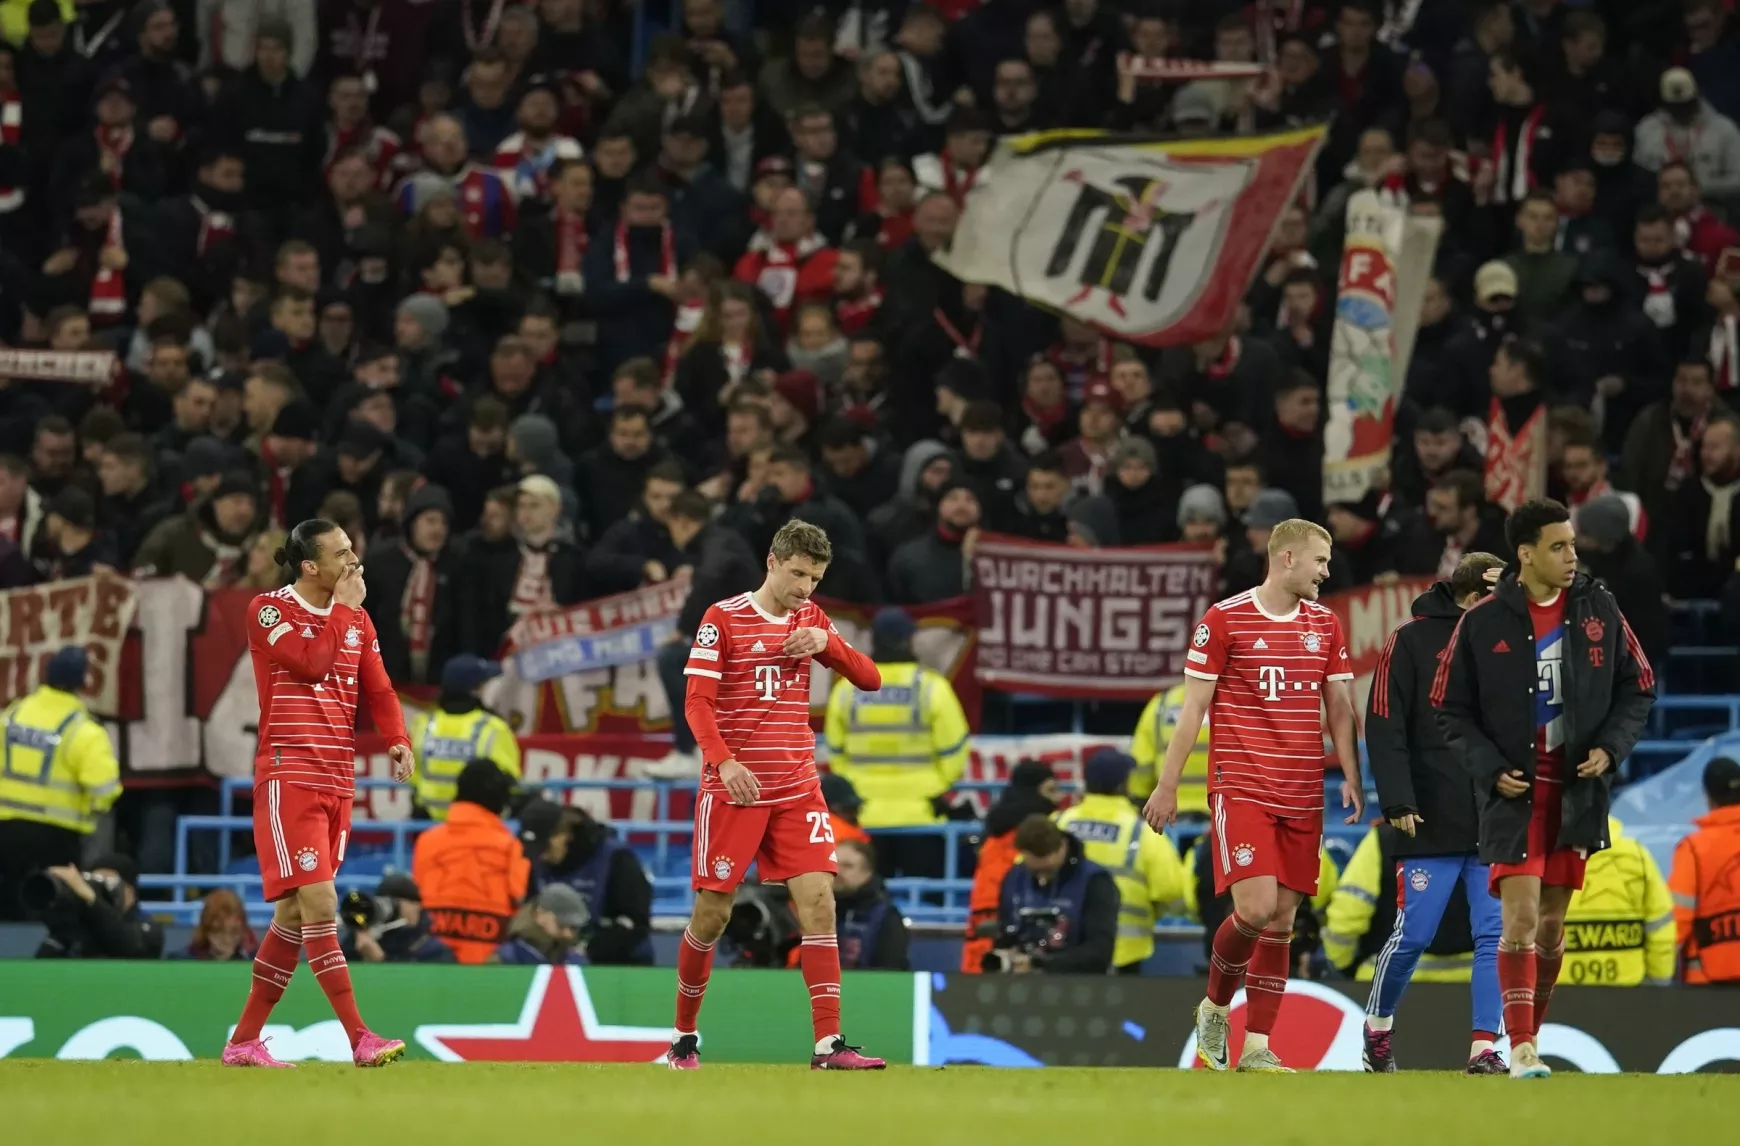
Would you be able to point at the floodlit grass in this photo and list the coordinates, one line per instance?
(125, 1103)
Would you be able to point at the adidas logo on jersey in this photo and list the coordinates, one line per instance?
(1260, 643)
(307, 632)
(758, 647)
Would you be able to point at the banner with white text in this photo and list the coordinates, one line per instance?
(1108, 624)
(35, 623)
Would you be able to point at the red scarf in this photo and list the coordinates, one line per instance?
(115, 142)
(491, 20)
(417, 610)
(1516, 463)
(571, 243)
(667, 252)
(682, 331)
(213, 225)
(895, 229)
(1725, 352)
(1045, 418)
(854, 314)
(954, 185)
(109, 287)
(965, 347)
(1683, 462)
(1226, 363)
(277, 484)
(11, 119)
(1515, 174)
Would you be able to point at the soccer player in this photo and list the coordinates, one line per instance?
(1429, 800)
(314, 650)
(760, 800)
(1263, 665)
(1543, 673)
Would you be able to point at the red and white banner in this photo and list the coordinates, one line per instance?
(35, 623)
(87, 367)
(1368, 615)
(1152, 242)
(1111, 624)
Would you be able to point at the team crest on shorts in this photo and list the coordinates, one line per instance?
(352, 638)
(1244, 854)
(269, 616)
(307, 859)
(1312, 642)
(1419, 879)
(1201, 637)
(721, 867)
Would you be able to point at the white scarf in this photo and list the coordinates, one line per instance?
(1716, 537)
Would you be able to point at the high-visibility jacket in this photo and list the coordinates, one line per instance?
(900, 746)
(1619, 931)
(1148, 747)
(1349, 919)
(472, 871)
(58, 764)
(445, 742)
(1143, 863)
(1706, 890)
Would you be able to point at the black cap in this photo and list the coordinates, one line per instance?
(838, 792)
(398, 885)
(1722, 781)
(1437, 420)
(236, 481)
(233, 380)
(112, 84)
(541, 81)
(297, 420)
(94, 188)
(74, 506)
(360, 439)
(122, 865)
(963, 119)
(205, 456)
(43, 13)
(691, 125)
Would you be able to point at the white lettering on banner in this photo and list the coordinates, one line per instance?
(1369, 615)
(1112, 623)
(35, 623)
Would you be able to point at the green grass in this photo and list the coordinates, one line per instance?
(120, 1103)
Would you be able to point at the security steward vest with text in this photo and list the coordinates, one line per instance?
(1619, 930)
(1144, 865)
(472, 871)
(445, 742)
(1148, 745)
(58, 766)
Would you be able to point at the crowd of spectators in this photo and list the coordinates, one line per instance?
(451, 276)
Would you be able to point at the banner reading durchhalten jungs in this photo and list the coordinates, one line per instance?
(35, 623)
(1112, 624)
(1385, 263)
(597, 634)
(1153, 242)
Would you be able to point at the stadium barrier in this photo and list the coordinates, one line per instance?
(174, 1011)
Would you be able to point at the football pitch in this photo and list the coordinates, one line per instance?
(131, 1103)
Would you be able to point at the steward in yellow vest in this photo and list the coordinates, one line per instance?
(458, 731)
(1143, 863)
(1619, 930)
(1148, 745)
(57, 775)
(904, 745)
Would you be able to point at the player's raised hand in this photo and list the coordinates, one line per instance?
(350, 589)
(805, 642)
(1353, 796)
(740, 783)
(1512, 784)
(403, 762)
(1161, 808)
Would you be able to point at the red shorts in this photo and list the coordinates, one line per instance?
(1249, 840)
(786, 839)
(1554, 867)
(299, 835)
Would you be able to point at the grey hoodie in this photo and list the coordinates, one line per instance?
(919, 455)
(1711, 138)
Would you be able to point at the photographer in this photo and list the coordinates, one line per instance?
(1058, 911)
(547, 930)
(92, 914)
(389, 926)
(472, 869)
(567, 846)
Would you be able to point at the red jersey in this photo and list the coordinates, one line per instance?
(1265, 724)
(1549, 625)
(757, 699)
(309, 667)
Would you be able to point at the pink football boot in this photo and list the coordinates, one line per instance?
(252, 1053)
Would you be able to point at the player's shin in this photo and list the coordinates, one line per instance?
(1266, 986)
(274, 964)
(694, 967)
(1516, 979)
(820, 959)
(1234, 941)
(1549, 957)
(332, 972)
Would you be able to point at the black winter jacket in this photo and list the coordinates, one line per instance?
(1484, 692)
(1414, 768)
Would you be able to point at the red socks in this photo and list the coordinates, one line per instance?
(820, 959)
(274, 963)
(1516, 980)
(333, 974)
(1547, 964)
(1234, 941)
(694, 965)
(1266, 980)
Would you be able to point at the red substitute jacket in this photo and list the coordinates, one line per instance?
(789, 274)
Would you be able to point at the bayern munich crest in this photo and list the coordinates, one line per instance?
(707, 636)
(721, 866)
(307, 859)
(1244, 854)
(1313, 642)
(1419, 879)
(352, 638)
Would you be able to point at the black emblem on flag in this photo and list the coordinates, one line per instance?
(1132, 219)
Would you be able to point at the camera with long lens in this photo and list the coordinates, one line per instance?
(375, 914)
(762, 927)
(1036, 929)
(44, 893)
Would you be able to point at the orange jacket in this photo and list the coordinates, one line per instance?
(996, 857)
(472, 872)
(844, 831)
(1706, 889)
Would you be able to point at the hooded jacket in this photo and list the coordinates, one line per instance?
(1414, 767)
(1612, 337)
(1711, 140)
(1484, 693)
(191, 545)
(390, 567)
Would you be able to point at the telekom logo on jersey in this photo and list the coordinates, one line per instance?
(1274, 679)
(768, 682)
